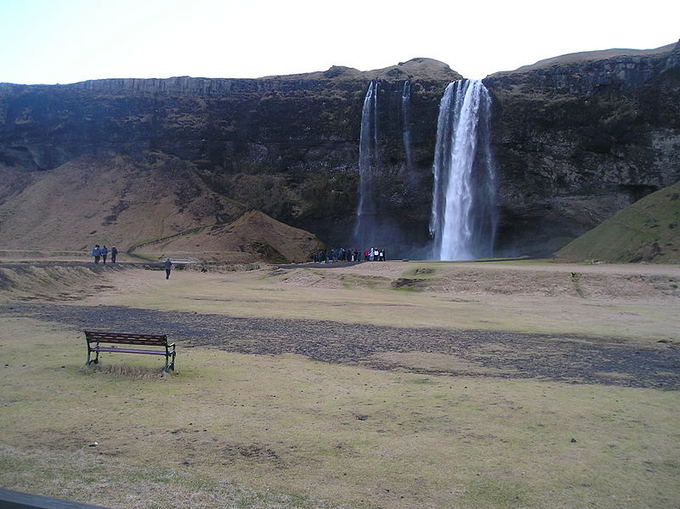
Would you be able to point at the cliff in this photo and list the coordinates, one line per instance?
(285, 145)
(575, 138)
(581, 136)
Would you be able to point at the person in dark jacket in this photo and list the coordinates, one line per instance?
(168, 268)
(114, 253)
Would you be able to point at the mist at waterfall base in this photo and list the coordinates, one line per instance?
(373, 226)
(464, 217)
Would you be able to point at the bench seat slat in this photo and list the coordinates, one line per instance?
(129, 342)
(126, 350)
(131, 336)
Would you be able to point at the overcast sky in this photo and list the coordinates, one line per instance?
(64, 41)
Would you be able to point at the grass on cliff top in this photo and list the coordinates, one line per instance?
(648, 230)
(232, 430)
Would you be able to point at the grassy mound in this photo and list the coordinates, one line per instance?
(252, 237)
(648, 230)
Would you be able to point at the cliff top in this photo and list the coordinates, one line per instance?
(416, 68)
(590, 56)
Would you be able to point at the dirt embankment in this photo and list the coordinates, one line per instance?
(54, 282)
(597, 282)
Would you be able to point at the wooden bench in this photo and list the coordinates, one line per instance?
(95, 338)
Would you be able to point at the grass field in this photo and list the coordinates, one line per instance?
(229, 429)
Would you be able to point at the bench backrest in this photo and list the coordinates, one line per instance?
(125, 338)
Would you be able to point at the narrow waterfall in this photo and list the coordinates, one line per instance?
(463, 221)
(406, 129)
(365, 227)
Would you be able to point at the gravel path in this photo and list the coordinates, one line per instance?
(573, 359)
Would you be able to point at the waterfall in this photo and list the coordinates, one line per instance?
(406, 130)
(463, 221)
(366, 222)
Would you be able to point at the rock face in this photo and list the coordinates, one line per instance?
(581, 136)
(287, 146)
(575, 139)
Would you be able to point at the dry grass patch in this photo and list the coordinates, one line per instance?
(261, 431)
(345, 295)
(123, 371)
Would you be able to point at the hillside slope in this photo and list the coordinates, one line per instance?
(253, 236)
(114, 201)
(648, 230)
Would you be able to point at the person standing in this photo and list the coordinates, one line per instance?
(168, 268)
(96, 253)
(104, 252)
(114, 253)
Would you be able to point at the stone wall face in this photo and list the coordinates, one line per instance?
(293, 140)
(573, 143)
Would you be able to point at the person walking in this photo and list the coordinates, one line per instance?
(96, 253)
(104, 252)
(114, 253)
(168, 268)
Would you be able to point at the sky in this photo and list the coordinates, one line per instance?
(65, 41)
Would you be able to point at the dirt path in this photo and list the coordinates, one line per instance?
(563, 358)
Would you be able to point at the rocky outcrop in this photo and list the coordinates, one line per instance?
(575, 139)
(581, 136)
(286, 145)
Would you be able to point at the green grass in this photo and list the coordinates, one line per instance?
(648, 230)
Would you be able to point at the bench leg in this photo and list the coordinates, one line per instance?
(90, 360)
(169, 365)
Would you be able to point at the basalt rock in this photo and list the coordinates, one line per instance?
(575, 139)
(581, 136)
(286, 145)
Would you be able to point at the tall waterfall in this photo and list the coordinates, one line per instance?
(463, 221)
(406, 129)
(366, 225)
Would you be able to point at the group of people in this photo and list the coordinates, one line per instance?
(101, 253)
(349, 255)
